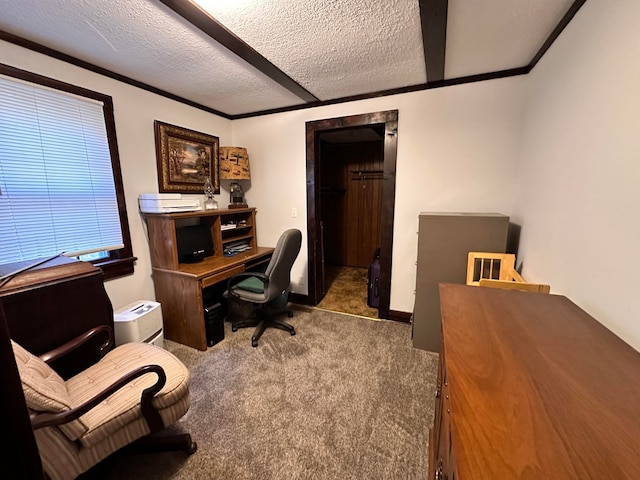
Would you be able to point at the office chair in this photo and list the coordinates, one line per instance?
(133, 391)
(267, 292)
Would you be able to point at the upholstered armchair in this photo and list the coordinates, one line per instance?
(133, 391)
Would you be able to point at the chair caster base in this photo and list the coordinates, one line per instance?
(254, 342)
(292, 332)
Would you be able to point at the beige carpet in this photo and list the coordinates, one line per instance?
(347, 291)
(346, 398)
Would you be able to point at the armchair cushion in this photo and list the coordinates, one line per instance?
(123, 407)
(44, 390)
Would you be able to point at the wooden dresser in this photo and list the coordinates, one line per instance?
(532, 387)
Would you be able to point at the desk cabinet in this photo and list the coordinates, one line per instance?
(178, 286)
(532, 387)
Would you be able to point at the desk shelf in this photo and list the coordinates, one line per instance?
(179, 285)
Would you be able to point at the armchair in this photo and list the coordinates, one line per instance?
(267, 292)
(134, 390)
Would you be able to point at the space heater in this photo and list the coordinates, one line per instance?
(139, 321)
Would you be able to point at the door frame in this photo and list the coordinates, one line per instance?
(389, 119)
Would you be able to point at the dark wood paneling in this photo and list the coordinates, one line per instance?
(351, 202)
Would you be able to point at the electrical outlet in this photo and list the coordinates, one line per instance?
(294, 212)
(301, 280)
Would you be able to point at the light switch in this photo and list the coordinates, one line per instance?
(294, 212)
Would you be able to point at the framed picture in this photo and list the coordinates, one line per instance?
(185, 158)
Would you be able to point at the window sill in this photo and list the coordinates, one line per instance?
(116, 268)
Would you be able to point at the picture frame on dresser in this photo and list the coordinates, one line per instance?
(185, 159)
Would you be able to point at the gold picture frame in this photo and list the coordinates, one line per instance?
(185, 158)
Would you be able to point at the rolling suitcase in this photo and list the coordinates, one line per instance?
(373, 281)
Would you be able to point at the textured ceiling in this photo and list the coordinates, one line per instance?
(333, 49)
(283, 54)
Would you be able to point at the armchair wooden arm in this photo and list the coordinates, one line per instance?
(59, 352)
(515, 282)
(514, 276)
(150, 414)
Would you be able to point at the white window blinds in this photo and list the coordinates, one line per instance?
(57, 192)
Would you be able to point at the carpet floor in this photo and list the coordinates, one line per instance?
(347, 291)
(345, 398)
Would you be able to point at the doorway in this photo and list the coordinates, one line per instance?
(351, 164)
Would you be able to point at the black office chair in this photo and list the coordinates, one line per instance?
(267, 293)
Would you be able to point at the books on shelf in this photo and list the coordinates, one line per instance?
(229, 226)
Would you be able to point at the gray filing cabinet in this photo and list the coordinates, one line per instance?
(444, 240)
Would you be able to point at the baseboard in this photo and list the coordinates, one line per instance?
(404, 317)
(299, 298)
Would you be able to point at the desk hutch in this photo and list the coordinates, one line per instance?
(179, 286)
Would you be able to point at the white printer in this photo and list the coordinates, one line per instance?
(140, 321)
(167, 203)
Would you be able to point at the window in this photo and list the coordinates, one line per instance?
(60, 183)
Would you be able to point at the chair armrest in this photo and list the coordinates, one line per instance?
(514, 285)
(515, 276)
(241, 276)
(150, 414)
(59, 352)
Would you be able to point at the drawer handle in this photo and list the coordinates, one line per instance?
(439, 473)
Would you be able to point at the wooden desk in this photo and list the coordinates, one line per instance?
(532, 387)
(179, 286)
(180, 292)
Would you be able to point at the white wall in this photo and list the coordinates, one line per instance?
(579, 177)
(457, 151)
(135, 111)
